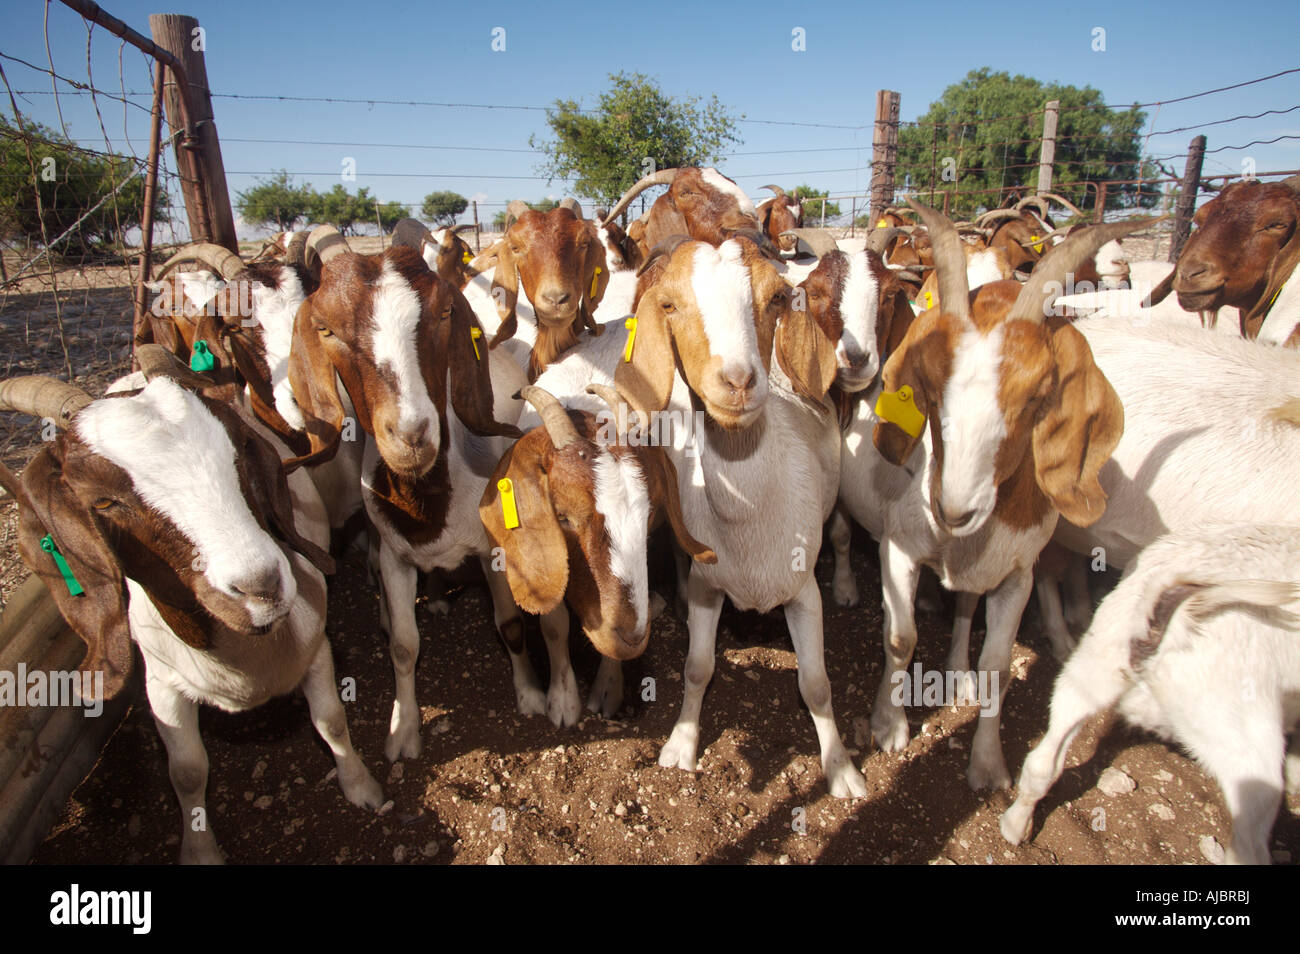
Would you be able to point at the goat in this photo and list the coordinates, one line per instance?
(1020, 422)
(444, 251)
(180, 532)
(1244, 250)
(1199, 643)
(572, 527)
(700, 203)
(778, 215)
(758, 479)
(560, 260)
(406, 345)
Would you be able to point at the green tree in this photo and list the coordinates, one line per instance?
(812, 210)
(441, 208)
(71, 182)
(604, 150)
(989, 126)
(337, 207)
(542, 205)
(276, 201)
(390, 213)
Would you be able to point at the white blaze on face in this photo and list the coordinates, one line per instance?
(275, 310)
(858, 309)
(182, 464)
(720, 182)
(973, 427)
(720, 281)
(200, 287)
(622, 499)
(395, 317)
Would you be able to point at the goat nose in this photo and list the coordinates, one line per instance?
(263, 586)
(412, 436)
(958, 522)
(739, 379)
(1194, 269)
(556, 298)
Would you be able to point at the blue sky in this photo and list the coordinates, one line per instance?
(740, 51)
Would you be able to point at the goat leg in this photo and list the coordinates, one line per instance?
(705, 606)
(177, 718)
(899, 574)
(529, 698)
(327, 715)
(563, 704)
(400, 581)
(1003, 608)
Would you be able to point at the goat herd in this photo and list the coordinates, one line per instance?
(721, 370)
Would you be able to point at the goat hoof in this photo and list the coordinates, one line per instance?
(1016, 823)
(361, 789)
(845, 592)
(530, 701)
(845, 781)
(891, 733)
(403, 744)
(1062, 648)
(965, 692)
(200, 853)
(678, 752)
(604, 701)
(564, 707)
(994, 776)
(439, 607)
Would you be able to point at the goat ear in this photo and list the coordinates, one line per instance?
(536, 554)
(647, 379)
(505, 293)
(1078, 431)
(313, 379)
(661, 483)
(894, 443)
(892, 322)
(98, 615)
(1280, 270)
(805, 354)
(267, 491)
(594, 282)
(464, 360)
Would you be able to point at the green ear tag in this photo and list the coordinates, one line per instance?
(201, 359)
(47, 544)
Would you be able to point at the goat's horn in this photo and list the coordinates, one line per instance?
(819, 241)
(1036, 200)
(221, 260)
(554, 417)
(879, 239)
(662, 177)
(570, 203)
(996, 215)
(775, 188)
(1292, 183)
(295, 253)
(1064, 202)
(157, 362)
(514, 210)
(326, 242)
(949, 260)
(467, 227)
(613, 398)
(1048, 279)
(42, 396)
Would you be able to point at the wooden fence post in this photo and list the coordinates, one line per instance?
(884, 152)
(177, 34)
(1186, 206)
(1047, 153)
(477, 247)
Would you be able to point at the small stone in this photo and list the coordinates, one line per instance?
(861, 732)
(1164, 776)
(620, 809)
(430, 849)
(385, 808)
(1161, 811)
(751, 675)
(1115, 783)
(954, 742)
(1281, 856)
(264, 802)
(740, 810)
(942, 861)
(564, 809)
(496, 857)
(1211, 850)
(399, 854)
(259, 770)
(396, 772)
(783, 859)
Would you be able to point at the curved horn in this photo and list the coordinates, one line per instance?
(996, 215)
(662, 177)
(1034, 200)
(554, 417)
(570, 203)
(514, 210)
(295, 253)
(157, 362)
(325, 243)
(878, 240)
(780, 193)
(42, 396)
(949, 260)
(819, 241)
(1048, 279)
(613, 398)
(466, 227)
(221, 260)
(1063, 202)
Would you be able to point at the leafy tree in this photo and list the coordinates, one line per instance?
(441, 208)
(70, 182)
(812, 210)
(276, 201)
(991, 124)
(337, 207)
(390, 213)
(542, 205)
(604, 150)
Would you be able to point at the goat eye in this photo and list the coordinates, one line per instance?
(668, 307)
(105, 503)
(564, 520)
(325, 332)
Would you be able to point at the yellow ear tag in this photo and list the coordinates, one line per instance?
(630, 324)
(929, 300)
(897, 407)
(508, 511)
(474, 335)
(1038, 246)
(595, 280)
(466, 257)
(882, 224)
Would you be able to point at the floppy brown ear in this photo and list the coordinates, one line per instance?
(1280, 271)
(98, 615)
(647, 380)
(661, 485)
(267, 490)
(469, 370)
(593, 279)
(805, 354)
(1077, 431)
(894, 319)
(312, 377)
(894, 443)
(505, 293)
(536, 555)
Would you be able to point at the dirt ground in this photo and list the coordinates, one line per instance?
(494, 787)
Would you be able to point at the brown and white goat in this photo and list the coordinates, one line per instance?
(404, 344)
(1245, 249)
(583, 501)
(443, 250)
(1020, 421)
(779, 214)
(179, 527)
